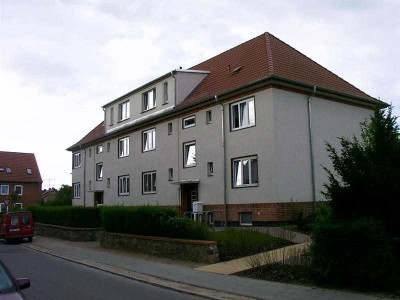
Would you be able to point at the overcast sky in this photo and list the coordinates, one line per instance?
(61, 60)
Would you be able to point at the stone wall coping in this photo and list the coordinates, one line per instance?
(165, 239)
(69, 228)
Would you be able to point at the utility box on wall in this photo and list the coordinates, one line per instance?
(197, 207)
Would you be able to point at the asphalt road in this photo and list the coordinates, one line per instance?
(55, 278)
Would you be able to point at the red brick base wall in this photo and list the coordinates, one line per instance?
(261, 212)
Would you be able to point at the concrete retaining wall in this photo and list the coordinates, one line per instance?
(192, 250)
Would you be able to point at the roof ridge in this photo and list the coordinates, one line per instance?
(269, 53)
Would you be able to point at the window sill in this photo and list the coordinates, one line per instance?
(145, 111)
(244, 186)
(240, 128)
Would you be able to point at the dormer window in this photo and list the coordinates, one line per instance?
(124, 111)
(29, 171)
(149, 100)
(8, 170)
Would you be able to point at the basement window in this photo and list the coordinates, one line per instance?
(246, 219)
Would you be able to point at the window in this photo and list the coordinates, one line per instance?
(124, 111)
(170, 174)
(90, 152)
(149, 139)
(3, 207)
(29, 171)
(111, 116)
(245, 172)
(169, 128)
(76, 160)
(149, 183)
(18, 189)
(189, 122)
(123, 147)
(208, 117)
(99, 171)
(77, 190)
(246, 218)
(189, 154)
(8, 170)
(108, 182)
(165, 98)
(4, 189)
(108, 147)
(90, 185)
(210, 168)
(123, 185)
(243, 114)
(149, 99)
(99, 149)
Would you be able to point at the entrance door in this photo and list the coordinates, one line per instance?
(189, 193)
(98, 198)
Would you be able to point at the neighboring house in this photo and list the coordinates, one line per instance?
(243, 132)
(20, 180)
(49, 195)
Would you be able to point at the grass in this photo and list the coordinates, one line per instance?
(234, 243)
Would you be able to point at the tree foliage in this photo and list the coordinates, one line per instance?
(366, 177)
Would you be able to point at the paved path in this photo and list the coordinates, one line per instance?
(249, 262)
(181, 276)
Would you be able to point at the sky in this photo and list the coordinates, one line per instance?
(61, 60)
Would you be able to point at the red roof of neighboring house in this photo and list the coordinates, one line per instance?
(18, 164)
(260, 58)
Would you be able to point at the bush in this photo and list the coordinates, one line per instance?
(141, 220)
(233, 243)
(79, 217)
(356, 253)
(185, 228)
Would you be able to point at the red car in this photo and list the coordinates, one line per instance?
(17, 225)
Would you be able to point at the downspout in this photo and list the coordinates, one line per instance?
(224, 159)
(310, 131)
(84, 178)
(177, 136)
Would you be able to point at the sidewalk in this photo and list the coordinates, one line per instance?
(180, 276)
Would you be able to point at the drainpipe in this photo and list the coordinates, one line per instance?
(84, 177)
(178, 146)
(310, 131)
(224, 160)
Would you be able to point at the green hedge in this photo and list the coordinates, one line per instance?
(79, 217)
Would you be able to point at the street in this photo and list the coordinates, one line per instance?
(55, 278)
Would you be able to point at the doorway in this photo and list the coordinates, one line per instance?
(189, 193)
(98, 198)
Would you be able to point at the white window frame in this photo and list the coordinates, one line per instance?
(18, 204)
(165, 92)
(99, 171)
(245, 223)
(76, 160)
(4, 186)
(149, 182)
(29, 171)
(123, 185)
(149, 103)
(99, 149)
(123, 147)
(124, 110)
(8, 170)
(242, 167)
(243, 114)
(19, 186)
(149, 140)
(77, 190)
(189, 154)
(189, 122)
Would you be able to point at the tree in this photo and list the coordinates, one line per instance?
(366, 177)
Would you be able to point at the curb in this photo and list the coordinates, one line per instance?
(155, 281)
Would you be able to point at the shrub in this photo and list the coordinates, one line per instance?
(233, 243)
(79, 217)
(141, 220)
(356, 253)
(185, 228)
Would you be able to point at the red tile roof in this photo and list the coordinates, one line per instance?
(18, 164)
(260, 58)
(96, 133)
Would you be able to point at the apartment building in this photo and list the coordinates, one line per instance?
(20, 180)
(243, 132)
